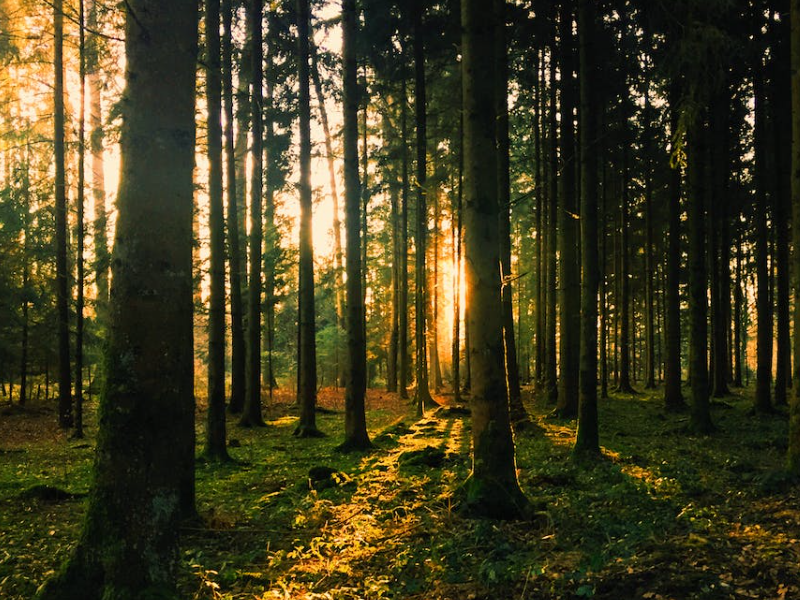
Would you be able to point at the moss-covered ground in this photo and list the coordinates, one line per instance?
(663, 515)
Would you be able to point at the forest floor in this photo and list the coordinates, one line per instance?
(663, 515)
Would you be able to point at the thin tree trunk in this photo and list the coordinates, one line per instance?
(764, 342)
(307, 365)
(624, 385)
(251, 414)
(215, 419)
(403, 291)
(79, 303)
(355, 423)
(519, 416)
(234, 238)
(423, 396)
(551, 374)
(62, 274)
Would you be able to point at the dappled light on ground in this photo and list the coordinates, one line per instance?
(662, 515)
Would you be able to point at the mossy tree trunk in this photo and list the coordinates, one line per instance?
(492, 488)
(129, 542)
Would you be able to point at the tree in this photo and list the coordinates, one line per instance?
(673, 399)
(215, 425)
(235, 253)
(423, 396)
(307, 363)
(587, 442)
(62, 272)
(570, 277)
(129, 542)
(793, 457)
(519, 416)
(355, 424)
(251, 415)
(492, 488)
(79, 303)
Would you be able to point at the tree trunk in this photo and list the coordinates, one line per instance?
(62, 272)
(355, 423)
(215, 423)
(102, 261)
(551, 373)
(570, 278)
(587, 441)
(673, 398)
(129, 542)
(492, 488)
(403, 291)
(251, 413)
(423, 398)
(519, 416)
(234, 238)
(698, 280)
(763, 403)
(391, 367)
(793, 455)
(307, 365)
(81, 230)
(624, 384)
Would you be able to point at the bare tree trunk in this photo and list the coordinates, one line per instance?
(62, 273)
(355, 424)
(79, 304)
(251, 415)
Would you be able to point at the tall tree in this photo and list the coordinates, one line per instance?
(235, 264)
(793, 457)
(519, 416)
(587, 442)
(81, 231)
(355, 422)
(403, 291)
(570, 278)
(698, 275)
(62, 271)
(129, 542)
(492, 488)
(307, 364)
(251, 415)
(215, 424)
(764, 332)
(423, 396)
(673, 399)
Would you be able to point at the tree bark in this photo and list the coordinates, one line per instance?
(422, 398)
(215, 422)
(355, 424)
(251, 414)
(587, 441)
(519, 416)
(307, 365)
(793, 454)
(65, 418)
(128, 546)
(570, 278)
(492, 488)
(235, 264)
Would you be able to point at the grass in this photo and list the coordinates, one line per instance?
(663, 514)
